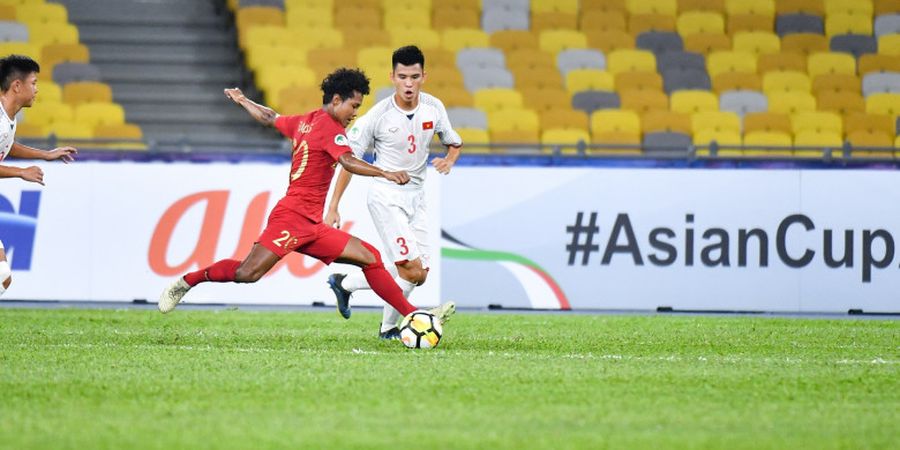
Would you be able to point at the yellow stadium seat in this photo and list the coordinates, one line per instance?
(889, 44)
(883, 103)
(49, 92)
(843, 23)
(357, 39)
(722, 138)
(455, 39)
(775, 82)
(541, 99)
(700, 22)
(510, 40)
(826, 62)
(815, 140)
(878, 63)
(875, 123)
(564, 118)
(530, 59)
(31, 130)
(791, 102)
(85, 91)
(640, 23)
(734, 81)
(453, 96)
(668, 7)
(610, 120)
(616, 143)
(298, 98)
(444, 77)
(376, 57)
(757, 42)
(304, 4)
(730, 61)
(767, 122)
(817, 121)
(603, 5)
(836, 82)
(750, 22)
(447, 18)
(693, 101)
(706, 43)
(357, 18)
(21, 48)
(310, 17)
(563, 6)
(31, 13)
(258, 56)
(566, 139)
(53, 54)
(495, 99)
(610, 41)
(862, 7)
(602, 21)
(476, 140)
(272, 79)
(324, 60)
(99, 113)
(72, 130)
(260, 35)
(514, 120)
(426, 39)
(118, 131)
(52, 33)
(47, 113)
(589, 80)
(860, 140)
(659, 120)
(841, 102)
(760, 7)
(701, 5)
(405, 4)
(402, 18)
(811, 7)
(639, 80)
(528, 138)
(254, 16)
(539, 78)
(7, 12)
(631, 61)
(804, 43)
(769, 143)
(322, 38)
(783, 61)
(715, 120)
(643, 101)
(554, 41)
(553, 21)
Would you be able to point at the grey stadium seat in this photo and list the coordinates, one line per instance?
(581, 58)
(511, 5)
(467, 118)
(475, 79)
(70, 71)
(887, 24)
(659, 41)
(13, 31)
(666, 142)
(855, 44)
(503, 19)
(384, 93)
(275, 3)
(743, 102)
(590, 101)
(897, 127)
(679, 60)
(480, 58)
(876, 82)
(680, 79)
(798, 23)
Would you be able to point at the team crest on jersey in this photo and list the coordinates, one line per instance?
(341, 140)
(354, 133)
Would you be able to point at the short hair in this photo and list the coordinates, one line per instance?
(16, 67)
(408, 56)
(344, 82)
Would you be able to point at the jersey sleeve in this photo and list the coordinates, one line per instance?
(287, 125)
(444, 128)
(338, 144)
(362, 135)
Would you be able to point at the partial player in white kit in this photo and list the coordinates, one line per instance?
(400, 128)
(18, 89)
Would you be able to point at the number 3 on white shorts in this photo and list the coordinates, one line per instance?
(404, 250)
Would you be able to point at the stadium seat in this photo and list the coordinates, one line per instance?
(886, 7)
(53, 54)
(669, 7)
(490, 100)
(767, 139)
(589, 79)
(44, 34)
(887, 24)
(721, 138)
(767, 122)
(32, 13)
(878, 63)
(554, 41)
(706, 43)
(761, 7)
(835, 82)
(610, 41)
(255, 16)
(476, 79)
(319, 16)
(358, 18)
(824, 63)
(730, 61)
(841, 102)
(700, 22)
(701, 5)
(631, 61)
(664, 143)
(804, 43)
(641, 23)
(84, 91)
(715, 120)
(861, 7)
(21, 48)
(68, 72)
(522, 59)
(509, 40)
(477, 140)
(686, 79)
(783, 61)
(99, 113)
(680, 60)
(467, 118)
(50, 92)
(786, 24)
(642, 101)
(889, 44)
(596, 20)
(860, 140)
(881, 83)
(71, 130)
(590, 101)
(481, 58)
(455, 39)
(31, 130)
(640, 80)
(691, 102)
(298, 99)
(547, 21)
(453, 96)
(451, 17)
(603, 5)
(259, 56)
(749, 22)
(883, 103)
(756, 42)
(566, 139)
(843, 23)
(814, 141)
(666, 121)
(494, 20)
(659, 42)
(520, 120)
(528, 139)
(817, 121)
(13, 31)
(853, 44)
(564, 6)
(48, 113)
(544, 78)
(775, 82)
(736, 81)
(873, 123)
(575, 59)
(813, 7)
(401, 17)
(609, 121)
(564, 118)
(743, 102)
(791, 102)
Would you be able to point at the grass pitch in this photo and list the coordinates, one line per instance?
(231, 379)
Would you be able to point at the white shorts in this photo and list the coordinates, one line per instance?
(401, 220)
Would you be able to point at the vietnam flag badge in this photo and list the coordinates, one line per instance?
(427, 125)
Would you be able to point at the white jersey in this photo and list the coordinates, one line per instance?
(7, 133)
(401, 138)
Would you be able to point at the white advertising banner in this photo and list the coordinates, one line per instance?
(123, 231)
(689, 239)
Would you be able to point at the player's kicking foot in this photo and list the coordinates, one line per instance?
(342, 295)
(390, 335)
(443, 311)
(172, 295)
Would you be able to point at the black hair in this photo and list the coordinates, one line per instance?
(16, 67)
(344, 82)
(408, 56)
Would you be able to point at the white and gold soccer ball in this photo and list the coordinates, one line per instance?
(420, 329)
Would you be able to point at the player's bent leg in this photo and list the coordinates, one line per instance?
(258, 263)
(363, 254)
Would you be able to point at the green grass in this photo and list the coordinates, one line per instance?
(134, 379)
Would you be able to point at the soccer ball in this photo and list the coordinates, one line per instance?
(420, 329)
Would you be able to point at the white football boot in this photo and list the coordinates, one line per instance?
(443, 311)
(172, 295)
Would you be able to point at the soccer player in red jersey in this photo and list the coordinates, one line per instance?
(295, 224)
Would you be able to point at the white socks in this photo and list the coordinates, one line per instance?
(355, 281)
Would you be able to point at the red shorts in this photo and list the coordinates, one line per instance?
(288, 231)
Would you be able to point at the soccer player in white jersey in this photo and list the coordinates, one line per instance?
(400, 128)
(18, 88)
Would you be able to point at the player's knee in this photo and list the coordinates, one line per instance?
(5, 276)
(248, 274)
(371, 258)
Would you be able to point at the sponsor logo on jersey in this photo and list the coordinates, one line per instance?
(304, 128)
(428, 125)
(394, 129)
(341, 140)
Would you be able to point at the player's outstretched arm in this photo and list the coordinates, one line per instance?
(443, 165)
(66, 154)
(262, 114)
(332, 216)
(33, 173)
(357, 166)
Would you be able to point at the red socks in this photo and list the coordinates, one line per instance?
(220, 272)
(381, 281)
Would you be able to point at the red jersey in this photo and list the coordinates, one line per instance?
(317, 141)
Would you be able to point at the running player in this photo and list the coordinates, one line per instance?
(400, 128)
(18, 89)
(295, 224)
